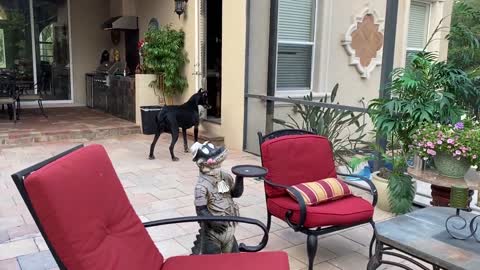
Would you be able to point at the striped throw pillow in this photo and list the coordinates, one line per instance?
(322, 191)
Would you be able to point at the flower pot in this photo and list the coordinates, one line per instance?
(448, 165)
(382, 188)
(149, 115)
(146, 95)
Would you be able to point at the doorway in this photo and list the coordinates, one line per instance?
(214, 58)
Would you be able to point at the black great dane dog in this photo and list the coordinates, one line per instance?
(171, 118)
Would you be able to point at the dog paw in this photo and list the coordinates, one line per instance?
(175, 159)
(151, 157)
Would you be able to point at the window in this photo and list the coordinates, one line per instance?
(417, 28)
(296, 37)
(46, 44)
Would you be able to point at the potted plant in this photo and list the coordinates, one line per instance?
(163, 55)
(163, 61)
(422, 92)
(453, 148)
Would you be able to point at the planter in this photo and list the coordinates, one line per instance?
(149, 115)
(382, 188)
(449, 166)
(146, 95)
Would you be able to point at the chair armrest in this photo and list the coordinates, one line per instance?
(373, 189)
(301, 203)
(242, 246)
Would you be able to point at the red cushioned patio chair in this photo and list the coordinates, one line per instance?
(296, 156)
(84, 214)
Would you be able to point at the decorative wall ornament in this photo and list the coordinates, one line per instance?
(364, 41)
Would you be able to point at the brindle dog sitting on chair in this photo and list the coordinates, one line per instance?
(171, 118)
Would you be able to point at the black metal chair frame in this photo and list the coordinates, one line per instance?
(24, 91)
(20, 177)
(312, 234)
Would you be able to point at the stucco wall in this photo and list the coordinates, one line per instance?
(88, 41)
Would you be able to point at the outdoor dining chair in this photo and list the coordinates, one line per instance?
(8, 95)
(294, 159)
(83, 212)
(30, 91)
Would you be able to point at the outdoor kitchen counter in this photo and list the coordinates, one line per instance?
(116, 96)
(121, 97)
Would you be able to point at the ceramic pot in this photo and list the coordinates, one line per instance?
(449, 166)
(382, 188)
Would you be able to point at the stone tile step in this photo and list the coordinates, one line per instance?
(204, 136)
(30, 138)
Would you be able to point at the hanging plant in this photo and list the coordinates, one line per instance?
(163, 54)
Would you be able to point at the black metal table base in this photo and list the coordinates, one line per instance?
(382, 249)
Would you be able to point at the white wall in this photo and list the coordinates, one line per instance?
(88, 41)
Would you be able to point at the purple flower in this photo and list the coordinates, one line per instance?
(431, 152)
(450, 141)
(459, 125)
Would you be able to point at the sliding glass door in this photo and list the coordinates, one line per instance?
(34, 44)
(52, 52)
(16, 39)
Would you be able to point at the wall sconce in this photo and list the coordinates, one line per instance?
(180, 6)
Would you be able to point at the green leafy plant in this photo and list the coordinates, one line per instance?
(334, 124)
(464, 49)
(425, 90)
(163, 54)
(401, 188)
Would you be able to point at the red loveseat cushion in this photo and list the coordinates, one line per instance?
(87, 216)
(237, 261)
(296, 159)
(347, 211)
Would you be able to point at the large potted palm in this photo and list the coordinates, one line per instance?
(423, 92)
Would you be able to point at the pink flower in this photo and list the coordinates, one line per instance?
(430, 144)
(474, 157)
(450, 141)
(439, 142)
(458, 152)
(431, 152)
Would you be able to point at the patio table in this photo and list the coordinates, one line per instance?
(423, 236)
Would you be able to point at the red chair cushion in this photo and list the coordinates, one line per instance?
(347, 211)
(237, 261)
(321, 191)
(296, 159)
(86, 214)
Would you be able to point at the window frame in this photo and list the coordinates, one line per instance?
(292, 91)
(428, 15)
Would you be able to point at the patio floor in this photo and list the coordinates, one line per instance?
(70, 123)
(161, 189)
